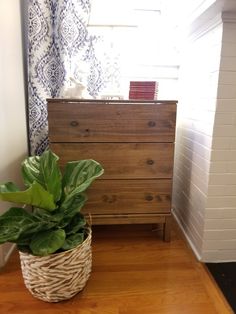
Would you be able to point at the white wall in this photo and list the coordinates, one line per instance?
(204, 190)
(13, 135)
(220, 215)
(195, 121)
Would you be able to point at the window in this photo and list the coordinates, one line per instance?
(135, 44)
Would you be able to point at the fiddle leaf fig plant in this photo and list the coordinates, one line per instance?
(56, 223)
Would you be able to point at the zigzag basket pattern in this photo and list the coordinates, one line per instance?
(60, 276)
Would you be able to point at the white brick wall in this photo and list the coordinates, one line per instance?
(199, 73)
(219, 243)
(204, 189)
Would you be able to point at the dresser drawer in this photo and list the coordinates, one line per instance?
(122, 160)
(129, 196)
(92, 122)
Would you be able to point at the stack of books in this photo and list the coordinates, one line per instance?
(143, 90)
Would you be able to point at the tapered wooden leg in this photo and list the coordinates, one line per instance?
(167, 229)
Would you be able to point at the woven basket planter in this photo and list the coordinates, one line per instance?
(60, 276)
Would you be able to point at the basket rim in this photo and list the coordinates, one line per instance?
(88, 238)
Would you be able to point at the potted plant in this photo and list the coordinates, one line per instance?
(54, 240)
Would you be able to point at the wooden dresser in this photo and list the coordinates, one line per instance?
(134, 142)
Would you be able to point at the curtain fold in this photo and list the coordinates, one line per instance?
(59, 47)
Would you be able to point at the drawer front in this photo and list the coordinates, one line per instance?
(75, 122)
(122, 160)
(128, 196)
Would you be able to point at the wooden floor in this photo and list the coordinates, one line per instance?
(134, 272)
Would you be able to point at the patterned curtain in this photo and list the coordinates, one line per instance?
(59, 45)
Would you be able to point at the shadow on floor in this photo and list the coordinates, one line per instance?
(225, 276)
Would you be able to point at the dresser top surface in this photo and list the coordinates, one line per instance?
(106, 101)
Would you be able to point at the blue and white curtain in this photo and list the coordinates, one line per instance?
(59, 44)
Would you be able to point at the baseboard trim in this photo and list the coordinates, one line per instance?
(186, 236)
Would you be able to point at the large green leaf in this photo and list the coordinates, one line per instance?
(47, 242)
(30, 169)
(70, 207)
(44, 170)
(15, 222)
(77, 222)
(52, 216)
(35, 196)
(79, 175)
(17, 225)
(73, 240)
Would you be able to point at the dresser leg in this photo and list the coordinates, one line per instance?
(166, 229)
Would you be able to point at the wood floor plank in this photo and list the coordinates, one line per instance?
(134, 272)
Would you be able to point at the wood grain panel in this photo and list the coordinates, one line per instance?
(91, 122)
(134, 142)
(129, 196)
(123, 160)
